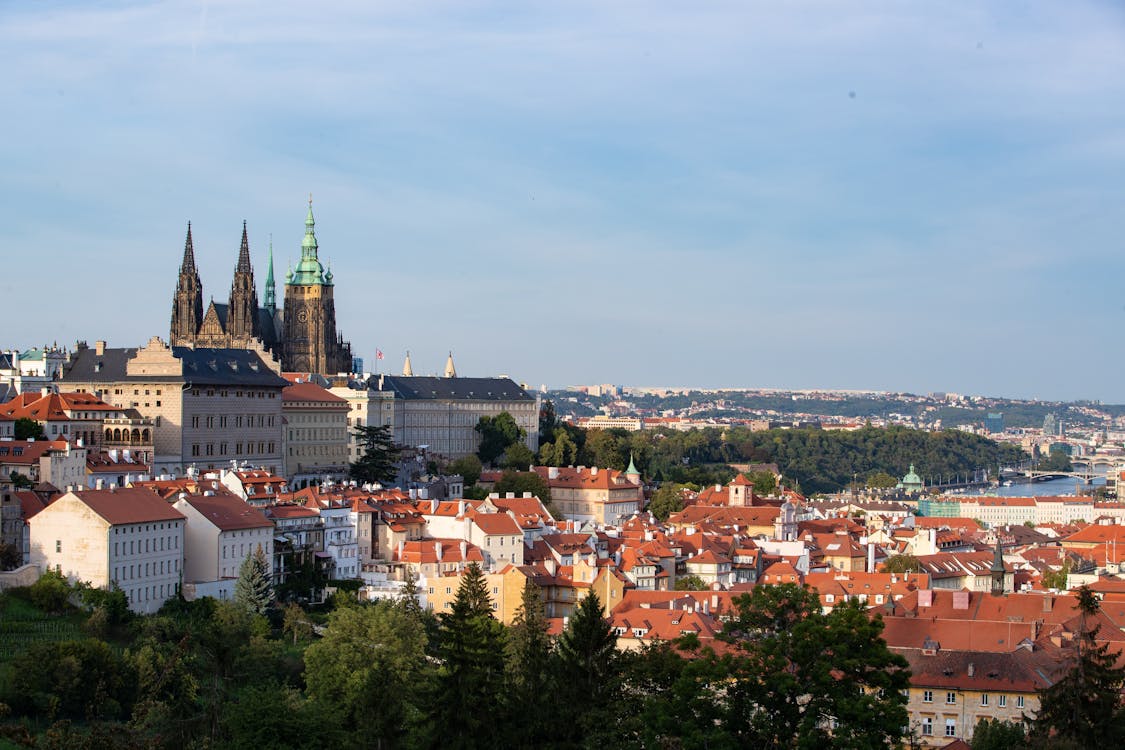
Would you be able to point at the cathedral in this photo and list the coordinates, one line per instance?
(302, 335)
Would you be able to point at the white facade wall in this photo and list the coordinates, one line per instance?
(144, 560)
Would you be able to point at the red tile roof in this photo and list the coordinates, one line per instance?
(127, 505)
(228, 513)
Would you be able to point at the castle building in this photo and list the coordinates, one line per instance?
(302, 336)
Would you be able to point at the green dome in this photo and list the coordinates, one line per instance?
(309, 271)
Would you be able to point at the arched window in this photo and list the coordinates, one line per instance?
(117, 434)
(108, 435)
(146, 436)
(135, 438)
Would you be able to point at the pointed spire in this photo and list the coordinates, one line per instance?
(308, 245)
(188, 265)
(244, 253)
(450, 370)
(632, 466)
(407, 370)
(271, 287)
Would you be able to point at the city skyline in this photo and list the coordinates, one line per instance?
(902, 198)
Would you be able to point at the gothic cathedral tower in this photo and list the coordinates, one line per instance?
(310, 340)
(242, 314)
(187, 303)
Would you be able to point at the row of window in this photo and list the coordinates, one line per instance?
(208, 449)
(209, 420)
(130, 572)
(150, 545)
(985, 699)
(223, 393)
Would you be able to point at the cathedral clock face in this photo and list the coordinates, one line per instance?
(303, 316)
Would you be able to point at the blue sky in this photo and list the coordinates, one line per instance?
(906, 196)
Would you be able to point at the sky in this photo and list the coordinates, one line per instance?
(904, 196)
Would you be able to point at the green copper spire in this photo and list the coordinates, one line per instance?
(271, 287)
(632, 467)
(309, 272)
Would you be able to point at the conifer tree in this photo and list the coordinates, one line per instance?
(378, 461)
(586, 675)
(465, 701)
(527, 677)
(253, 591)
(1084, 706)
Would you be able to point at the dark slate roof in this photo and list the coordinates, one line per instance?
(5, 361)
(200, 367)
(268, 327)
(464, 389)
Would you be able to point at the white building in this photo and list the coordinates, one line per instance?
(222, 531)
(128, 538)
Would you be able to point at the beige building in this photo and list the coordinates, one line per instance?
(128, 538)
(222, 531)
(208, 406)
(505, 590)
(441, 413)
(604, 496)
(315, 434)
(55, 462)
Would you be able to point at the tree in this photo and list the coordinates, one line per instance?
(902, 564)
(562, 452)
(881, 480)
(690, 583)
(26, 428)
(518, 457)
(520, 482)
(469, 467)
(799, 669)
(20, 481)
(496, 434)
(668, 499)
(366, 670)
(548, 422)
(1057, 461)
(1084, 705)
(10, 556)
(51, 592)
(466, 700)
(526, 669)
(765, 482)
(587, 674)
(295, 622)
(378, 460)
(1056, 579)
(993, 734)
(253, 591)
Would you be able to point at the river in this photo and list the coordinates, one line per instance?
(1053, 487)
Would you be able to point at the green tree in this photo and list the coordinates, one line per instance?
(765, 482)
(253, 591)
(365, 672)
(608, 449)
(690, 583)
(73, 679)
(562, 452)
(1057, 461)
(10, 556)
(587, 675)
(465, 704)
(469, 467)
(527, 677)
(881, 480)
(1056, 579)
(378, 460)
(295, 622)
(902, 564)
(1084, 705)
(548, 422)
(20, 481)
(26, 428)
(268, 716)
(668, 499)
(51, 592)
(518, 457)
(520, 482)
(993, 734)
(496, 434)
(799, 668)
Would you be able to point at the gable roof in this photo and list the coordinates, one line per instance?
(227, 512)
(461, 389)
(126, 505)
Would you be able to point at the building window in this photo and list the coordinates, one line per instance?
(1003, 701)
(58, 545)
(927, 726)
(984, 699)
(950, 727)
(927, 696)
(1019, 701)
(951, 697)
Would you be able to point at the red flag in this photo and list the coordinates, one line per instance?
(378, 354)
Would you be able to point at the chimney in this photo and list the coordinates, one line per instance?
(99, 484)
(400, 549)
(1047, 602)
(433, 506)
(871, 557)
(593, 471)
(437, 551)
(714, 601)
(113, 487)
(461, 507)
(99, 348)
(553, 472)
(464, 550)
(971, 670)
